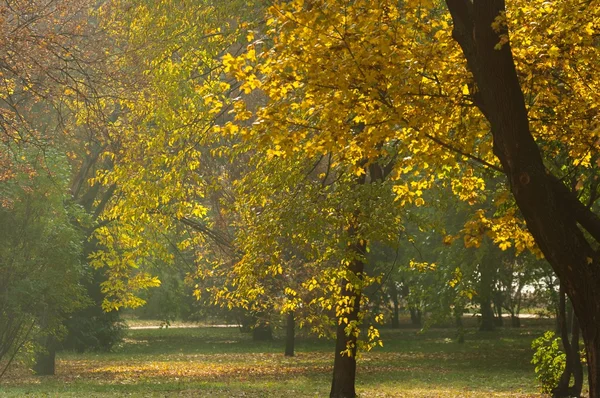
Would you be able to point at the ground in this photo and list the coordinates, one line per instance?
(222, 362)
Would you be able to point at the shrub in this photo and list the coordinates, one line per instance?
(549, 360)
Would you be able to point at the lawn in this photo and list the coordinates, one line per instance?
(222, 362)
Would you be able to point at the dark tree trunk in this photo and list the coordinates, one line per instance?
(570, 317)
(515, 321)
(45, 361)
(488, 323)
(415, 317)
(262, 332)
(344, 366)
(395, 314)
(485, 294)
(562, 390)
(571, 348)
(290, 337)
(552, 212)
(577, 366)
(460, 330)
(499, 321)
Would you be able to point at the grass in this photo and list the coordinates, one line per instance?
(222, 362)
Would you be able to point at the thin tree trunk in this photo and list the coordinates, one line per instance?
(415, 317)
(577, 366)
(562, 389)
(395, 315)
(499, 321)
(458, 313)
(290, 332)
(484, 292)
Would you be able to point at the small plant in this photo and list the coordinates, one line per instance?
(549, 360)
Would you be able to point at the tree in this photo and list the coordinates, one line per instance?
(541, 196)
(418, 92)
(40, 251)
(364, 82)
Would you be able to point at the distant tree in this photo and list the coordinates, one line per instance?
(40, 250)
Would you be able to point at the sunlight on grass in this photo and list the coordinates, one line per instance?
(226, 363)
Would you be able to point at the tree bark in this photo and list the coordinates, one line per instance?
(344, 366)
(262, 332)
(488, 323)
(577, 366)
(415, 317)
(484, 292)
(290, 336)
(395, 302)
(460, 330)
(45, 361)
(573, 366)
(550, 209)
(515, 321)
(562, 390)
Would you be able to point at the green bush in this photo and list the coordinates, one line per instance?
(549, 360)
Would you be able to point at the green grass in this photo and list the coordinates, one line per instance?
(222, 362)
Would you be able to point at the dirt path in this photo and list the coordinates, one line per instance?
(180, 326)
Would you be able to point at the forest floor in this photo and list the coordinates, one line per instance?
(223, 362)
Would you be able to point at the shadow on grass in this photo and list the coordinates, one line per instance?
(224, 362)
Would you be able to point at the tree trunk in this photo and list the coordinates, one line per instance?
(262, 332)
(562, 390)
(488, 323)
(552, 212)
(484, 292)
(344, 366)
(515, 321)
(460, 330)
(290, 334)
(571, 348)
(395, 315)
(415, 317)
(498, 321)
(45, 361)
(577, 366)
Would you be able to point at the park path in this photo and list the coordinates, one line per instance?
(182, 326)
(194, 325)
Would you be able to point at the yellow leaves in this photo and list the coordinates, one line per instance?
(589, 28)
(426, 4)
(359, 171)
(458, 275)
(554, 51)
(468, 188)
(199, 211)
(234, 65)
(506, 231)
(449, 239)
(422, 266)
(230, 129)
(504, 245)
(410, 193)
